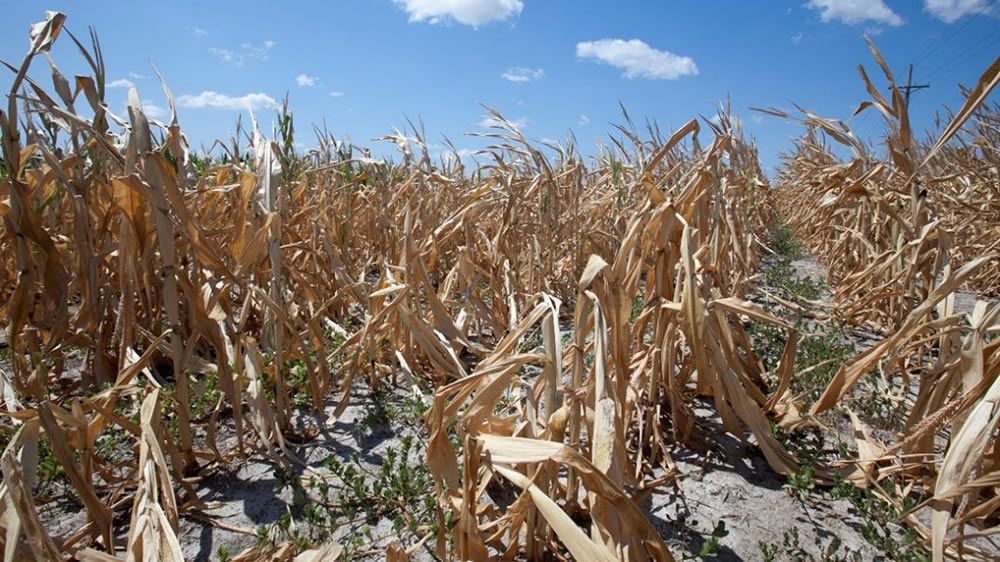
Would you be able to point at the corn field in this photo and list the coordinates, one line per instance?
(121, 246)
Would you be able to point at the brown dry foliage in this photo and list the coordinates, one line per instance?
(114, 245)
(900, 236)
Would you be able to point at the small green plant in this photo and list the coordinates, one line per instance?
(298, 380)
(637, 305)
(616, 167)
(824, 354)
(804, 288)
(377, 415)
(50, 470)
(223, 553)
(353, 493)
(784, 242)
(832, 552)
(710, 548)
(263, 535)
(292, 166)
(782, 275)
(768, 342)
(818, 357)
(791, 543)
(801, 483)
(880, 520)
(768, 551)
(202, 402)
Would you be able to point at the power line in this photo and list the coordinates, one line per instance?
(965, 55)
(962, 62)
(936, 45)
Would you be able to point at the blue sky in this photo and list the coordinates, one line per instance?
(550, 65)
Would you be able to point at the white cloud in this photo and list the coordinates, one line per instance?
(200, 31)
(797, 38)
(448, 156)
(260, 52)
(137, 76)
(490, 122)
(638, 59)
(756, 118)
(584, 121)
(855, 11)
(152, 110)
(305, 80)
(522, 74)
(336, 94)
(225, 55)
(950, 11)
(121, 83)
(468, 12)
(214, 100)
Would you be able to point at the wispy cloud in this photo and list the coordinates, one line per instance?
(214, 100)
(200, 31)
(306, 81)
(584, 121)
(638, 59)
(523, 74)
(137, 76)
(950, 11)
(225, 55)
(152, 110)
(121, 83)
(261, 52)
(855, 11)
(468, 12)
(491, 122)
(448, 156)
(797, 38)
(336, 94)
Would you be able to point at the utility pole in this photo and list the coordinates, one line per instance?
(910, 86)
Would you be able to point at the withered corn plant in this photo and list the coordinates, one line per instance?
(901, 235)
(655, 322)
(162, 269)
(563, 317)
